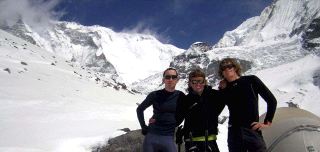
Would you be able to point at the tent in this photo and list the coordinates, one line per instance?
(293, 130)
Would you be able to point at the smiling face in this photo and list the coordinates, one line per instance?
(197, 84)
(197, 80)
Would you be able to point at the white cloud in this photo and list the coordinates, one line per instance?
(36, 13)
(145, 27)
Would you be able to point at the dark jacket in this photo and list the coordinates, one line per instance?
(241, 97)
(164, 108)
(200, 112)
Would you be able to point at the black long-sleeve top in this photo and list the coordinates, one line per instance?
(164, 108)
(241, 97)
(200, 113)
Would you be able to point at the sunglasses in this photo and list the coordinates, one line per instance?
(228, 66)
(170, 77)
(197, 81)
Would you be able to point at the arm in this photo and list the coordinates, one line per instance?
(144, 105)
(220, 103)
(266, 94)
(180, 109)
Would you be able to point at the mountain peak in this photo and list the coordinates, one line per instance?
(103, 50)
(282, 20)
(200, 46)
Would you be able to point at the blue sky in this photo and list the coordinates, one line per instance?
(178, 22)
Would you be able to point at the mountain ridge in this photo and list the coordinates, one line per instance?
(102, 49)
(260, 42)
(285, 31)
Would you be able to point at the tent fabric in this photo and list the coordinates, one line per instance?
(293, 130)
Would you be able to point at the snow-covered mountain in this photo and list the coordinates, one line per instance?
(285, 31)
(282, 20)
(122, 55)
(48, 104)
(51, 100)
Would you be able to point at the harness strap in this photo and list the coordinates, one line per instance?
(203, 138)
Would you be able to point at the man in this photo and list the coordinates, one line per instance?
(241, 96)
(200, 110)
(160, 133)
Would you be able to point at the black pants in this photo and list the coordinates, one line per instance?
(244, 139)
(158, 143)
(199, 146)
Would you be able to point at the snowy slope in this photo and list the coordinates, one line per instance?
(48, 105)
(295, 82)
(102, 49)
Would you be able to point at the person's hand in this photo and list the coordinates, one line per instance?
(222, 84)
(152, 120)
(259, 126)
(144, 130)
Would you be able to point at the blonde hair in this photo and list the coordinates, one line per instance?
(197, 73)
(227, 61)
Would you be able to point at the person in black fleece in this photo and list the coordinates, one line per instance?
(199, 110)
(160, 133)
(241, 97)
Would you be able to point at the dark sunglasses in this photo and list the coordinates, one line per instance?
(228, 66)
(197, 81)
(170, 77)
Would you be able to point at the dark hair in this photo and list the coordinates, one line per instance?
(196, 73)
(231, 61)
(170, 68)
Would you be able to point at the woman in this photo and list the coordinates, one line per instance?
(160, 133)
(200, 110)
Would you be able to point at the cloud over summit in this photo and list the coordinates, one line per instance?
(36, 13)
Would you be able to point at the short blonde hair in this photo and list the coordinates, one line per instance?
(197, 73)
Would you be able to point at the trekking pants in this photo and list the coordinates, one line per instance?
(244, 139)
(158, 143)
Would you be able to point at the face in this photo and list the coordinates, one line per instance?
(170, 79)
(229, 71)
(197, 84)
